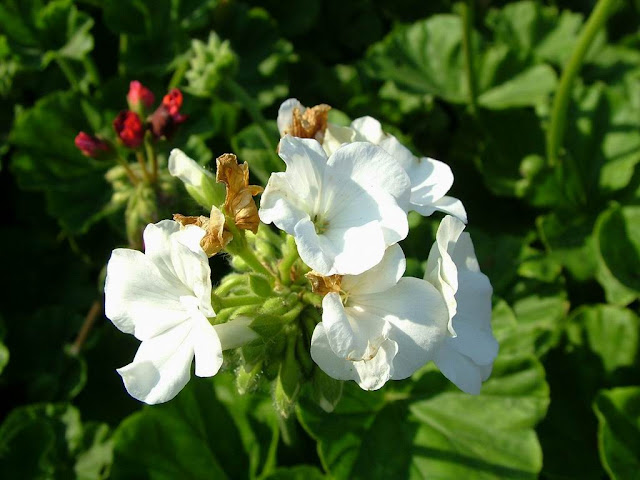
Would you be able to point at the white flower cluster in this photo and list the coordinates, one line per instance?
(344, 197)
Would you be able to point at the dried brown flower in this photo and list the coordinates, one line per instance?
(239, 202)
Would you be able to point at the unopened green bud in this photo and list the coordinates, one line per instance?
(248, 381)
(209, 65)
(288, 382)
(141, 210)
(260, 286)
(239, 265)
(326, 391)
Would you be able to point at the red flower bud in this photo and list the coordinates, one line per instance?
(167, 116)
(129, 128)
(91, 146)
(173, 101)
(139, 96)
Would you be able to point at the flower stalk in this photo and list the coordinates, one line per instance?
(466, 8)
(562, 97)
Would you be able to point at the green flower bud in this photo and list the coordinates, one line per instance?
(260, 286)
(209, 65)
(141, 210)
(288, 383)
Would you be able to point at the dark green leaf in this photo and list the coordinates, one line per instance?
(436, 431)
(618, 413)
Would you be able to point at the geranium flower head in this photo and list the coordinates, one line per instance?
(163, 298)
(343, 211)
(466, 356)
(380, 326)
(129, 128)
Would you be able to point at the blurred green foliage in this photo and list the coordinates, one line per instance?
(560, 244)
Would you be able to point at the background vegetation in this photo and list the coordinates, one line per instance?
(554, 213)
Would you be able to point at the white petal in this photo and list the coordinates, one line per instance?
(339, 333)
(448, 205)
(161, 367)
(465, 374)
(315, 250)
(306, 163)
(138, 299)
(235, 333)
(381, 277)
(401, 154)
(206, 347)
(335, 136)
(187, 169)
(418, 316)
(441, 270)
(464, 255)
(368, 129)
(336, 367)
(370, 375)
(280, 204)
(430, 180)
(359, 248)
(285, 114)
(372, 168)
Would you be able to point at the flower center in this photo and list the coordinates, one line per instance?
(320, 224)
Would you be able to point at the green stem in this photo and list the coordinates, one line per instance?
(228, 283)
(292, 314)
(132, 176)
(143, 166)
(92, 70)
(312, 299)
(250, 105)
(238, 247)
(290, 257)
(563, 93)
(151, 157)
(68, 72)
(467, 29)
(240, 301)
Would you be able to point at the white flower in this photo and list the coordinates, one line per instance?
(430, 179)
(383, 327)
(466, 356)
(200, 183)
(343, 211)
(163, 297)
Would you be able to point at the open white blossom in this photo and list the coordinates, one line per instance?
(342, 211)
(430, 179)
(466, 356)
(163, 298)
(380, 326)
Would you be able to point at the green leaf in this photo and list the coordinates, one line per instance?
(49, 441)
(435, 431)
(299, 472)
(535, 30)
(47, 160)
(617, 235)
(618, 412)
(194, 436)
(427, 58)
(39, 32)
(609, 332)
(569, 240)
(527, 88)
